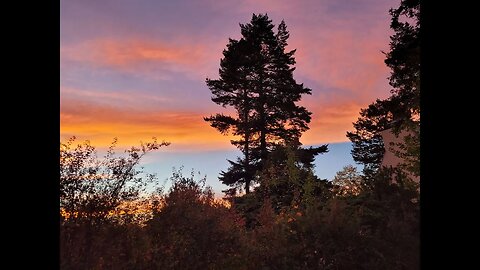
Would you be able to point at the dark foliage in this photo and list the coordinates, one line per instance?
(96, 229)
(401, 111)
(193, 231)
(296, 222)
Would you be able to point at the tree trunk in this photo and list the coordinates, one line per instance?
(247, 164)
(247, 144)
(263, 128)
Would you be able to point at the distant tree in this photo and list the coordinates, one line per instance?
(347, 181)
(401, 111)
(256, 79)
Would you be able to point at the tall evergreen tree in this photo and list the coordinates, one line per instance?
(256, 79)
(401, 111)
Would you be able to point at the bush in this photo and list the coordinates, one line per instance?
(192, 230)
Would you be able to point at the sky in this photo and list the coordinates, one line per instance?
(136, 69)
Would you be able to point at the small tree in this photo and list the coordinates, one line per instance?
(91, 188)
(288, 178)
(347, 181)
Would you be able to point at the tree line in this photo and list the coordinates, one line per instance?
(279, 214)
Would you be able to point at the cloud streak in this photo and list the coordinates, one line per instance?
(138, 55)
(101, 123)
(184, 129)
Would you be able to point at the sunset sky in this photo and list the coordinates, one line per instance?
(134, 69)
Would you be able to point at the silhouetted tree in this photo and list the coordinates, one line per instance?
(368, 148)
(401, 111)
(404, 55)
(404, 60)
(256, 79)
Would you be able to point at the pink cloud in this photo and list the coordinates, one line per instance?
(136, 55)
(344, 60)
(126, 98)
(330, 123)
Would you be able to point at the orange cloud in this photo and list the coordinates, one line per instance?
(129, 52)
(330, 123)
(100, 124)
(185, 130)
